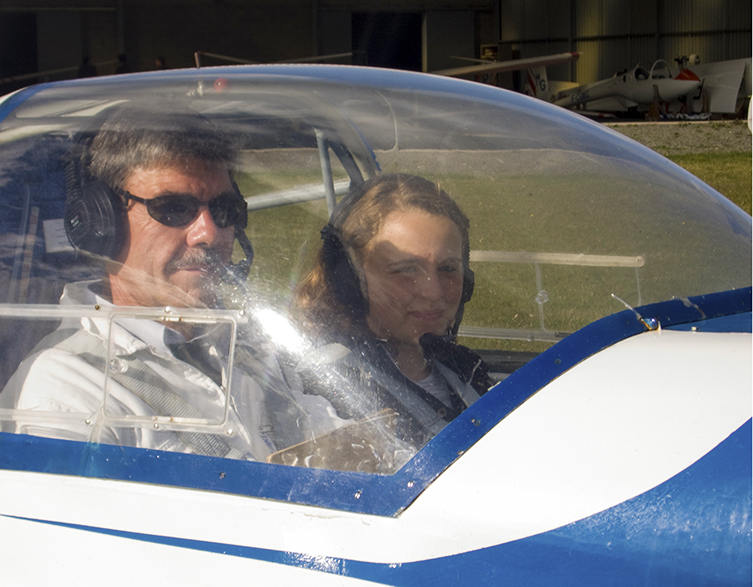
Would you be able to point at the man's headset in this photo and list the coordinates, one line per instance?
(96, 221)
(343, 272)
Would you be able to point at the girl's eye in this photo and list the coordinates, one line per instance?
(405, 269)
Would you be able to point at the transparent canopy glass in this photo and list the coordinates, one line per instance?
(569, 222)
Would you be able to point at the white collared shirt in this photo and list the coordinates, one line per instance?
(62, 395)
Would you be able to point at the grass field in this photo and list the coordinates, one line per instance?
(728, 173)
(717, 152)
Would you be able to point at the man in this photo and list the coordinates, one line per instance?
(165, 174)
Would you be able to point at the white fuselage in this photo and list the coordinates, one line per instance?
(615, 426)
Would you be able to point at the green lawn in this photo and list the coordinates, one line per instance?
(728, 173)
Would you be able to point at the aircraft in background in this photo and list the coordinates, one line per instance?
(691, 89)
(726, 85)
(485, 68)
(632, 88)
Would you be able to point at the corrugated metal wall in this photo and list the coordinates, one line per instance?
(613, 35)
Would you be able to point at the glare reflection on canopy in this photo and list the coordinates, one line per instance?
(279, 330)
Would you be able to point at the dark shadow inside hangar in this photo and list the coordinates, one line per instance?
(18, 47)
(388, 39)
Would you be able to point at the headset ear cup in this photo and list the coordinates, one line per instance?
(341, 276)
(243, 205)
(469, 282)
(95, 220)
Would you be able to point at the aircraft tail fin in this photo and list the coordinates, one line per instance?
(537, 84)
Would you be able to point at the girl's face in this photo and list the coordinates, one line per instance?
(414, 276)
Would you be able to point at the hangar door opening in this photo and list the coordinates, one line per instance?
(389, 39)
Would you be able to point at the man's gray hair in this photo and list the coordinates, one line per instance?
(154, 134)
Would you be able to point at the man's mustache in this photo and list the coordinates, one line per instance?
(206, 258)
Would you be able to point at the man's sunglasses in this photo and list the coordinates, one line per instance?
(179, 210)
